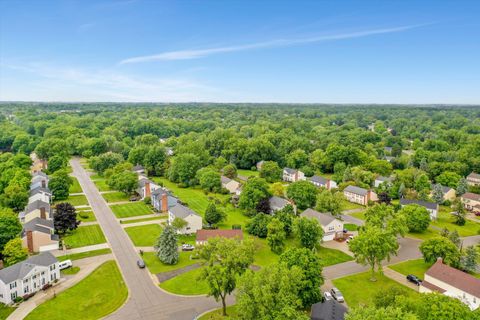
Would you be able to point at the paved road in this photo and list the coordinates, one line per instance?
(146, 301)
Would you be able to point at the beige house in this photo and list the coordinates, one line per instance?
(39, 180)
(471, 201)
(194, 221)
(473, 179)
(359, 195)
(40, 193)
(231, 185)
(453, 283)
(36, 209)
(38, 235)
(322, 182)
(292, 175)
(448, 193)
(332, 227)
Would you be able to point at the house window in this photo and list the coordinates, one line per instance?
(13, 285)
(25, 290)
(13, 295)
(331, 228)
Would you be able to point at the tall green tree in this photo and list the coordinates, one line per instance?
(167, 246)
(271, 171)
(183, 169)
(15, 196)
(417, 217)
(309, 232)
(276, 236)
(332, 202)
(65, 218)
(437, 193)
(372, 313)
(10, 227)
(213, 215)
(303, 193)
(59, 184)
(384, 216)
(440, 247)
(209, 179)
(254, 190)
(462, 187)
(14, 252)
(469, 259)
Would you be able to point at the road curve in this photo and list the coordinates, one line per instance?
(145, 300)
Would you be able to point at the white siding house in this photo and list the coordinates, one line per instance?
(332, 227)
(194, 221)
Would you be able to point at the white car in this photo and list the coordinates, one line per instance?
(65, 264)
(187, 247)
(349, 239)
(327, 295)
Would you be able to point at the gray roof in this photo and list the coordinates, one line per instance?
(37, 204)
(474, 175)
(180, 211)
(290, 170)
(21, 269)
(40, 173)
(384, 179)
(426, 204)
(323, 218)
(356, 190)
(277, 202)
(38, 224)
(319, 179)
(138, 168)
(388, 149)
(40, 190)
(328, 310)
(225, 180)
(160, 191)
(143, 181)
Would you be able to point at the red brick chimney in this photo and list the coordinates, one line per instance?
(30, 241)
(147, 189)
(368, 196)
(296, 176)
(43, 214)
(164, 202)
(328, 184)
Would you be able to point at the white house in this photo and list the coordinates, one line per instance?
(359, 195)
(292, 175)
(162, 200)
(332, 227)
(36, 209)
(231, 185)
(473, 179)
(146, 187)
(42, 194)
(322, 182)
(28, 276)
(39, 179)
(380, 179)
(431, 207)
(194, 221)
(453, 283)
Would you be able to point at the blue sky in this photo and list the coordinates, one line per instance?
(241, 51)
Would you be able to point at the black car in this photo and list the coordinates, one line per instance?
(141, 264)
(414, 279)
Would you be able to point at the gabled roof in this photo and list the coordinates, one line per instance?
(426, 204)
(319, 179)
(205, 234)
(356, 190)
(290, 170)
(37, 204)
(383, 179)
(21, 269)
(39, 224)
(160, 191)
(471, 196)
(143, 181)
(474, 175)
(138, 168)
(180, 211)
(455, 278)
(39, 173)
(328, 310)
(278, 202)
(40, 190)
(322, 218)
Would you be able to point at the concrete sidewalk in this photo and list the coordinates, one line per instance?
(400, 278)
(58, 253)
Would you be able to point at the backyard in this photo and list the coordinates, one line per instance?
(144, 236)
(96, 296)
(131, 209)
(84, 236)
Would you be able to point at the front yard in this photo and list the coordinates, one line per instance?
(86, 215)
(186, 284)
(144, 236)
(116, 196)
(75, 187)
(5, 311)
(102, 185)
(217, 314)
(156, 266)
(79, 200)
(84, 236)
(417, 267)
(131, 209)
(96, 296)
(359, 290)
(82, 255)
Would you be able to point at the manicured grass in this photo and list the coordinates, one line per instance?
(116, 196)
(347, 205)
(82, 255)
(186, 284)
(131, 209)
(330, 257)
(358, 289)
(217, 314)
(350, 227)
(96, 296)
(427, 234)
(71, 270)
(446, 220)
(143, 219)
(5, 311)
(79, 200)
(144, 236)
(75, 187)
(96, 176)
(102, 185)
(86, 216)
(84, 236)
(359, 215)
(156, 266)
(416, 267)
(248, 173)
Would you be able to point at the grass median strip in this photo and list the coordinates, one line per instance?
(82, 255)
(75, 187)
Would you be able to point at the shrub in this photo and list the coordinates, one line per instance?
(147, 200)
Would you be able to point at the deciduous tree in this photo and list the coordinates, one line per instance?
(10, 227)
(417, 217)
(303, 193)
(271, 172)
(309, 232)
(331, 202)
(14, 252)
(65, 217)
(276, 236)
(440, 247)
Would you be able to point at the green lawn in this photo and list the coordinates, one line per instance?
(131, 209)
(217, 314)
(358, 289)
(248, 173)
(416, 267)
(347, 205)
(96, 176)
(84, 236)
(156, 266)
(102, 185)
(79, 200)
(143, 219)
(186, 284)
(144, 236)
(82, 255)
(5, 311)
(350, 227)
(446, 220)
(330, 257)
(359, 215)
(116, 196)
(71, 270)
(75, 187)
(96, 296)
(86, 216)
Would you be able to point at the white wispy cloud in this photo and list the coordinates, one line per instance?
(200, 53)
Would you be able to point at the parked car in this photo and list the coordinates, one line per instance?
(187, 247)
(337, 295)
(414, 279)
(134, 198)
(140, 263)
(65, 264)
(349, 239)
(477, 213)
(327, 296)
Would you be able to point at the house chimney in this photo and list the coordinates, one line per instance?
(43, 214)
(368, 196)
(328, 184)
(30, 241)
(164, 202)
(147, 189)
(296, 176)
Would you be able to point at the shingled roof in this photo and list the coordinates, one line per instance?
(322, 218)
(21, 269)
(356, 190)
(426, 204)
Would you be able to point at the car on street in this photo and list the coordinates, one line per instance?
(187, 247)
(327, 296)
(140, 263)
(414, 279)
(337, 295)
